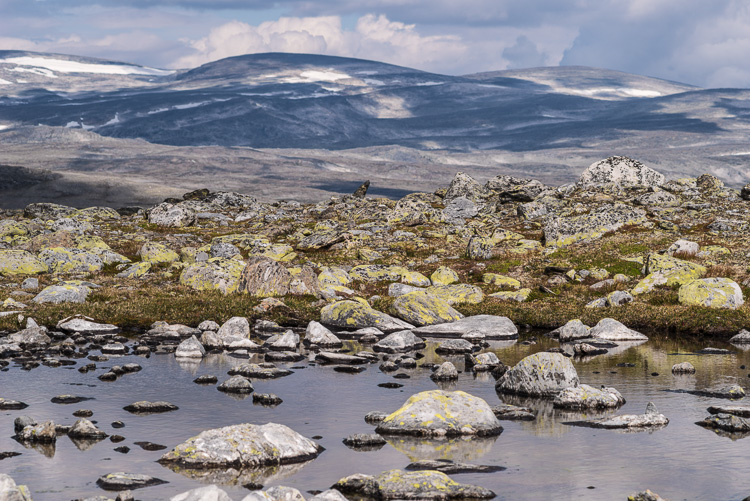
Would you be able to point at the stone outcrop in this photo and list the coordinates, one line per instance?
(540, 375)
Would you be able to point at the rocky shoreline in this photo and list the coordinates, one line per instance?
(592, 264)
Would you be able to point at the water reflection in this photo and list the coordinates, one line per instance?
(46, 449)
(84, 444)
(455, 449)
(239, 476)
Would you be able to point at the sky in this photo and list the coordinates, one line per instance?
(699, 42)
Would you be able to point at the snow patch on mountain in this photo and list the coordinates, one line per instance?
(64, 66)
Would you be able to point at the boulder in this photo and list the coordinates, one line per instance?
(121, 481)
(83, 428)
(351, 314)
(457, 293)
(726, 422)
(676, 271)
(454, 346)
(571, 331)
(288, 341)
(214, 274)
(422, 308)
(442, 413)
(683, 368)
(168, 215)
(444, 276)
(190, 348)
(58, 294)
(650, 419)
(146, 407)
(257, 371)
(264, 277)
(540, 375)
(463, 185)
(38, 433)
(622, 171)
(206, 493)
(684, 247)
(236, 384)
(62, 260)
(560, 231)
(234, 329)
(587, 397)
(156, 253)
(446, 372)
(492, 326)
(318, 334)
(480, 248)
(399, 342)
(20, 262)
(135, 270)
(712, 293)
(10, 491)
(243, 445)
(611, 330)
(742, 337)
(85, 325)
(398, 484)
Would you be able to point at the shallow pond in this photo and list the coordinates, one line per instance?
(545, 459)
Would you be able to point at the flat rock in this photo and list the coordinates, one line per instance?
(442, 413)
(256, 371)
(732, 392)
(611, 330)
(328, 357)
(207, 493)
(735, 410)
(121, 481)
(508, 412)
(57, 294)
(540, 375)
(452, 468)
(492, 326)
(364, 440)
(650, 419)
(399, 342)
(422, 308)
(398, 484)
(243, 445)
(726, 422)
(587, 397)
(454, 346)
(85, 326)
(146, 407)
(11, 405)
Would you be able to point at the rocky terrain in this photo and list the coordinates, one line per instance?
(619, 257)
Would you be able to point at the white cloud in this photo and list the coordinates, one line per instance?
(374, 37)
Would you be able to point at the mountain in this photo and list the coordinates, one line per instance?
(363, 117)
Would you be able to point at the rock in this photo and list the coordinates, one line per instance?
(190, 348)
(288, 341)
(399, 342)
(168, 215)
(449, 467)
(618, 298)
(121, 481)
(329, 495)
(726, 422)
(11, 405)
(327, 357)
(457, 293)
(463, 185)
(397, 484)
(676, 271)
(68, 399)
(206, 379)
(146, 407)
(86, 326)
(611, 330)
(587, 350)
(398, 289)
(321, 240)
(444, 276)
(214, 274)
(256, 371)
(62, 260)
(514, 189)
(518, 296)
(441, 413)
(509, 412)
(571, 331)
(714, 351)
(83, 428)
(684, 247)
(446, 372)
(646, 495)
(501, 281)
(362, 190)
(560, 231)
(234, 329)
(364, 440)
(732, 392)
(742, 337)
(683, 368)
(20, 262)
(57, 294)
(243, 445)
(458, 209)
(264, 277)
(493, 327)
(586, 397)
(539, 375)
(480, 248)
(651, 419)
(207, 493)
(10, 491)
(268, 399)
(735, 410)
(317, 334)
(712, 293)
(236, 384)
(350, 314)
(38, 433)
(421, 308)
(622, 171)
(453, 346)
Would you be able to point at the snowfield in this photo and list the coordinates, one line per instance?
(63, 66)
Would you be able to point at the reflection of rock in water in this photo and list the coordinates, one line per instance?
(455, 449)
(484, 377)
(46, 449)
(190, 365)
(549, 421)
(237, 396)
(235, 476)
(84, 444)
(447, 385)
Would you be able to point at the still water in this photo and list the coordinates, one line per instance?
(545, 459)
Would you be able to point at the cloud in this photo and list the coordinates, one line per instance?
(373, 37)
(524, 54)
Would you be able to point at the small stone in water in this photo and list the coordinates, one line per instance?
(124, 449)
(390, 385)
(317, 437)
(150, 446)
(116, 438)
(118, 424)
(402, 376)
(654, 373)
(83, 413)
(206, 379)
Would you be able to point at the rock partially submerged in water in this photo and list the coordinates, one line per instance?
(492, 326)
(190, 348)
(10, 491)
(736, 410)
(258, 371)
(540, 375)
(650, 419)
(38, 433)
(587, 397)
(243, 445)
(683, 368)
(442, 413)
(207, 493)
(446, 372)
(726, 422)
(451, 468)
(146, 407)
(508, 412)
(398, 484)
(399, 342)
(86, 325)
(742, 337)
(612, 330)
(83, 428)
(646, 495)
(121, 481)
(571, 331)
(11, 405)
(317, 334)
(732, 392)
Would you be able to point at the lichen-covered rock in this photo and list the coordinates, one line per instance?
(712, 293)
(726, 422)
(168, 215)
(20, 262)
(398, 484)
(321, 240)
(457, 293)
(684, 247)
(463, 185)
(611, 330)
(540, 375)
(156, 253)
(83, 428)
(47, 211)
(622, 171)
(264, 277)
(352, 315)
(501, 281)
(38, 433)
(646, 495)
(492, 326)
(215, 274)
(234, 329)
(518, 296)
(441, 413)
(61, 260)
(399, 342)
(480, 247)
(444, 276)
(560, 231)
(10, 491)
(421, 308)
(377, 273)
(243, 445)
(676, 271)
(67, 293)
(135, 270)
(587, 397)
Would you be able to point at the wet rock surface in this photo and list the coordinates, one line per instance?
(397, 484)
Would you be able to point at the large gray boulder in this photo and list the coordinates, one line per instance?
(540, 375)
(62, 260)
(65, 293)
(264, 277)
(234, 329)
(422, 308)
(399, 342)
(353, 315)
(572, 331)
(85, 325)
(722, 293)
(466, 186)
(207, 493)
(398, 484)
(318, 334)
(10, 491)
(442, 413)
(168, 215)
(215, 274)
(622, 171)
(587, 397)
(190, 348)
(243, 445)
(20, 262)
(610, 329)
(492, 326)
